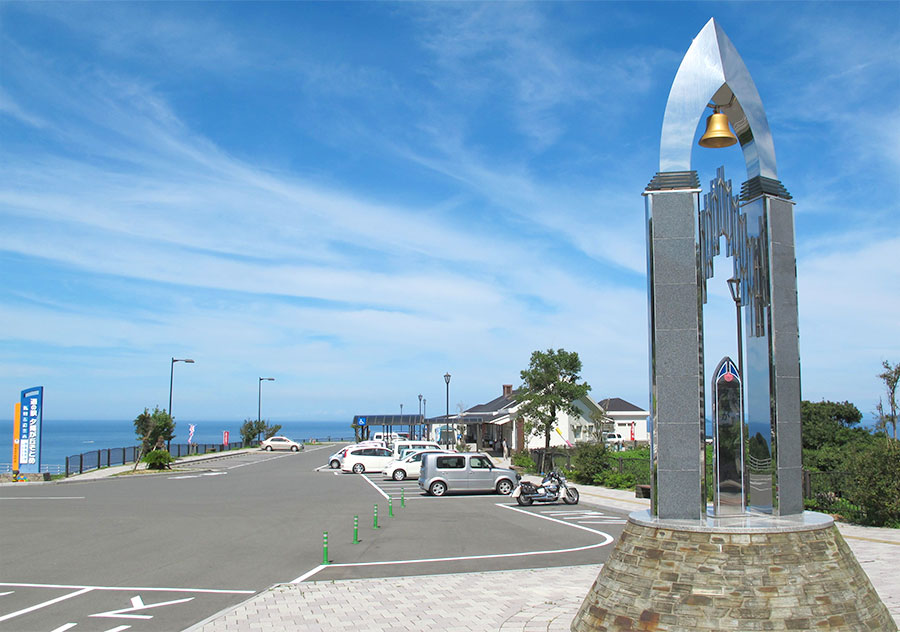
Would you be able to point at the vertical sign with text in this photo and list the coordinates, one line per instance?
(29, 427)
(225, 437)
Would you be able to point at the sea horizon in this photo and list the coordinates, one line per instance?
(69, 437)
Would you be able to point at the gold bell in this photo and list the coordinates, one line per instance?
(717, 133)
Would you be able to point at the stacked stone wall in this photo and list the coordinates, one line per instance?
(672, 580)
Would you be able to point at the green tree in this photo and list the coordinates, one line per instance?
(831, 434)
(252, 429)
(550, 385)
(890, 377)
(154, 428)
(874, 483)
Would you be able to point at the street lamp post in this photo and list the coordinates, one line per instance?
(734, 286)
(171, 383)
(447, 419)
(425, 429)
(259, 406)
(420, 414)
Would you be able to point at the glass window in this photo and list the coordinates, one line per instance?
(383, 452)
(479, 463)
(451, 462)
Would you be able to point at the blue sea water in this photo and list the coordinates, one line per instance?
(62, 438)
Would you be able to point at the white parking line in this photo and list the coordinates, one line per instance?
(42, 498)
(13, 615)
(215, 591)
(64, 627)
(380, 491)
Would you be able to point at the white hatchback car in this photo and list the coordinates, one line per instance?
(407, 466)
(280, 443)
(366, 459)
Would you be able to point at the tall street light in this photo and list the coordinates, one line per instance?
(425, 429)
(734, 286)
(447, 419)
(259, 406)
(420, 413)
(171, 382)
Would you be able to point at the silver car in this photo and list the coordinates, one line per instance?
(441, 473)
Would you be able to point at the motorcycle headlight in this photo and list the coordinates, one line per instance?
(518, 476)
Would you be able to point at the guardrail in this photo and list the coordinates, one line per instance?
(6, 468)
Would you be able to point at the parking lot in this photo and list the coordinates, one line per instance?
(164, 551)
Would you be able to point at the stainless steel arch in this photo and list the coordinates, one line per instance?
(712, 70)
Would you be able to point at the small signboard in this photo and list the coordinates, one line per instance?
(361, 421)
(29, 429)
(225, 437)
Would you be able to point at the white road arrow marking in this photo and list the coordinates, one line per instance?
(138, 604)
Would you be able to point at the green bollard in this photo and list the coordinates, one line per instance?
(390, 507)
(402, 498)
(324, 547)
(375, 518)
(355, 529)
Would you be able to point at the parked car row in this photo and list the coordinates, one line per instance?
(437, 469)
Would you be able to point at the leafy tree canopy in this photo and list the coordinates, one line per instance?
(831, 434)
(152, 428)
(550, 385)
(252, 429)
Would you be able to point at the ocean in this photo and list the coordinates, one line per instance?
(62, 438)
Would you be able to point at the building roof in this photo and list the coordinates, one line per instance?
(619, 405)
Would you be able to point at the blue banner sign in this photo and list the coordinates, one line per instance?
(32, 405)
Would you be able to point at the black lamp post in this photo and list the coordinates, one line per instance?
(734, 286)
(447, 419)
(420, 415)
(259, 406)
(171, 382)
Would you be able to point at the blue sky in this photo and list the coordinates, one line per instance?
(357, 198)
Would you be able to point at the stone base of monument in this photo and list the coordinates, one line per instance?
(737, 574)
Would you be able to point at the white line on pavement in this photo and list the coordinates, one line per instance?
(380, 491)
(576, 526)
(64, 627)
(119, 628)
(44, 604)
(8, 592)
(42, 498)
(133, 588)
(274, 458)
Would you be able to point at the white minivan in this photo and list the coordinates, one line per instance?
(400, 446)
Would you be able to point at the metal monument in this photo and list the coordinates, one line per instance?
(683, 239)
(752, 559)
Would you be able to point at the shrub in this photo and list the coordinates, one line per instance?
(615, 480)
(157, 459)
(874, 484)
(590, 461)
(523, 459)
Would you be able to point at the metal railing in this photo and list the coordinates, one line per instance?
(6, 468)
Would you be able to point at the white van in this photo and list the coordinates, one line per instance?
(400, 446)
(394, 436)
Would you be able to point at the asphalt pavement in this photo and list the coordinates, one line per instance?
(390, 591)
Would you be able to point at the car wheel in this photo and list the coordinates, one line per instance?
(571, 497)
(399, 475)
(358, 468)
(437, 489)
(335, 464)
(268, 448)
(525, 501)
(294, 448)
(504, 487)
